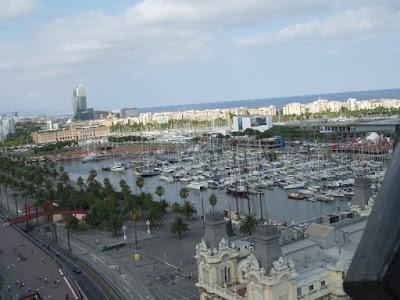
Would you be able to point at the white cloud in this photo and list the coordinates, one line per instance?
(15, 8)
(216, 13)
(151, 31)
(173, 31)
(351, 24)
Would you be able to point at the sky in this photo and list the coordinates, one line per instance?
(148, 53)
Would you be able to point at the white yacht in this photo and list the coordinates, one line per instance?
(117, 167)
(197, 185)
(89, 157)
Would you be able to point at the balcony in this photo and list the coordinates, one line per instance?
(229, 292)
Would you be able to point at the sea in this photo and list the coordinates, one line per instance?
(276, 101)
(280, 101)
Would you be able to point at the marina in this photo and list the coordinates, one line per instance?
(298, 183)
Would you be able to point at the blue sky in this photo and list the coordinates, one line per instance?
(165, 52)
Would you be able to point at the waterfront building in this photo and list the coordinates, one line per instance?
(307, 260)
(317, 106)
(256, 122)
(334, 106)
(389, 127)
(263, 110)
(295, 108)
(74, 133)
(80, 110)
(351, 104)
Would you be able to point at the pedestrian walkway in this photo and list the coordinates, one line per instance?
(26, 269)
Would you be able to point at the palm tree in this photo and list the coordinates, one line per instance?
(177, 209)
(72, 223)
(160, 191)
(178, 227)
(91, 177)
(126, 192)
(64, 177)
(184, 193)
(15, 197)
(140, 182)
(2, 179)
(248, 225)
(154, 213)
(213, 201)
(48, 207)
(114, 223)
(135, 216)
(188, 209)
(7, 183)
(80, 183)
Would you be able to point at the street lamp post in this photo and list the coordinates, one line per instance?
(124, 230)
(148, 226)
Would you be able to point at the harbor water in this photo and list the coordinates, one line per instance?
(274, 201)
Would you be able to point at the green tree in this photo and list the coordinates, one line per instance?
(177, 209)
(188, 209)
(154, 213)
(80, 183)
(126, 193)
(178, 227)
(160, 191)
(248, 225)
(213, 201)
(72, 223)
(134, 214)
(114, 224)
(140, 182)
(15, 197)
(184, 193)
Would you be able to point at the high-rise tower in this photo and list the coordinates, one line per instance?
(79, 105)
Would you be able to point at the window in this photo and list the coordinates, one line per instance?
(322, 283)
(311, 287)
(259, 121)
(299, 291)
(240, 123)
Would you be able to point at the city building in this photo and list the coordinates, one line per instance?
(317, 106)
(7, 125)
(307, 260)
(295, 108)
(263, 110)
(100, 114)
(129, 112)
(80, 110)
(389, 127)
(352, 104)
(74, 133)
(256, 122)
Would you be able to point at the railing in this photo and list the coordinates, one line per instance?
(375, 270)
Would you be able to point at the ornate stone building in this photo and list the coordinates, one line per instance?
(75, 133)
(278, 263)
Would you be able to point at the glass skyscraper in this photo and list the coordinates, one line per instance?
(79, 105)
